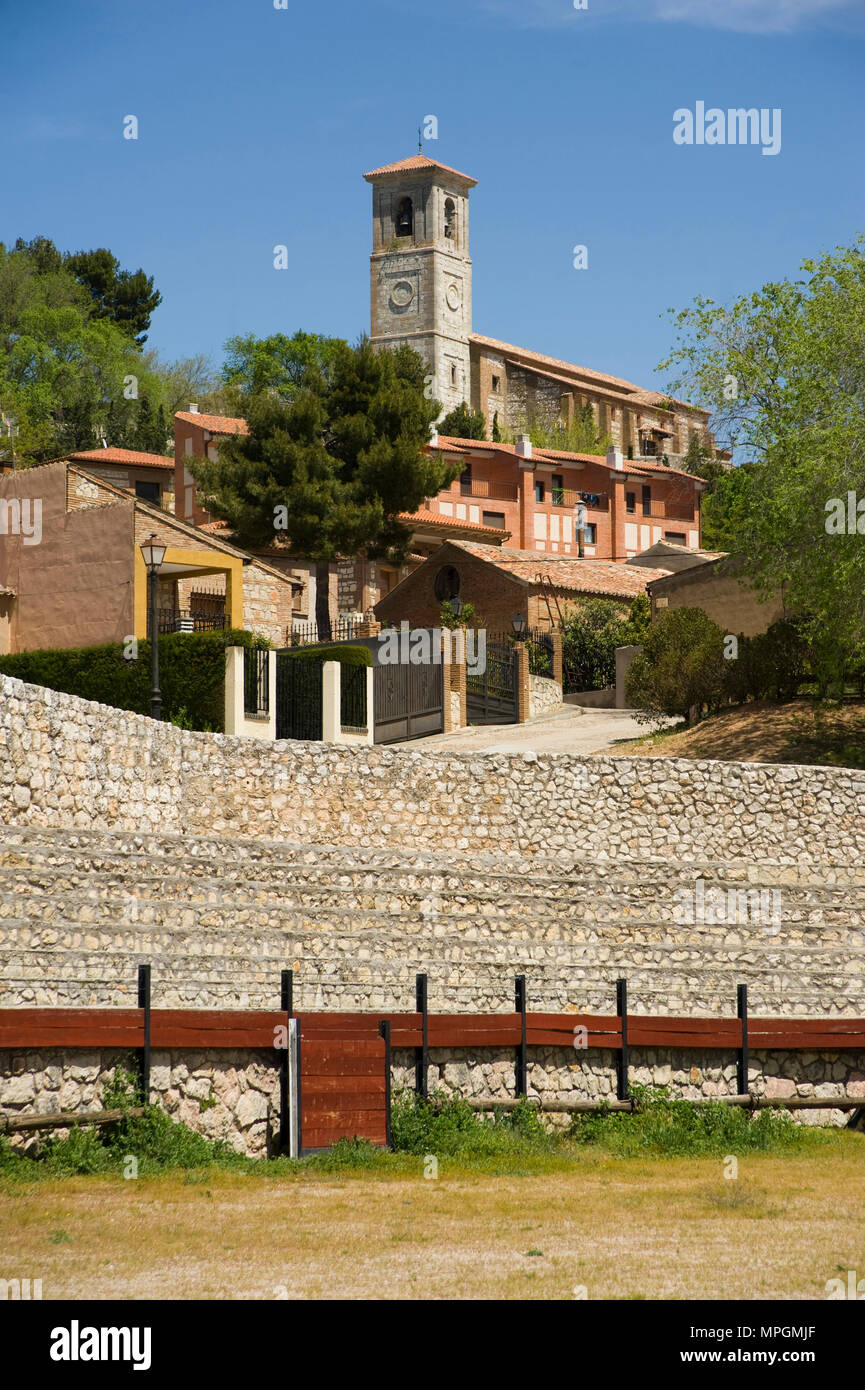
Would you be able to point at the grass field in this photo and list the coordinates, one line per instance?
(544, 1227)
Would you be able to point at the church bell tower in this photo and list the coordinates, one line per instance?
(420, 269)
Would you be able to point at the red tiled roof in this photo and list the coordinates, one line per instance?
(547, 364)
(451, 445)
(217, 424)
(451, 522)
(602, 577)
(418, 161)
(129, 456)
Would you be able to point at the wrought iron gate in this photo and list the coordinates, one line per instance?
(491, 697)
(298, 697)
(409, 701)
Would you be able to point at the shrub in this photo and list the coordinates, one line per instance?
(347, 655)
(191, 674)
(447, 1125)
(590, 634)
(681, 668)
(672, 1127)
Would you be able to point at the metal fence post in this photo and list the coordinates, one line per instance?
(144, 1003)
(521, 1067)
(384, 1032)
(622, 1011)
(742, 1069)
(421, 1066)
(285, 1003)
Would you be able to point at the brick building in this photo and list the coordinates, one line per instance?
(502, 583)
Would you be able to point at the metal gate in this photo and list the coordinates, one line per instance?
(491, 697)
(298, 697)
(409, 701)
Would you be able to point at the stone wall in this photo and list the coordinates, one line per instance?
(208, 855)
(68, 762)
(544, 695)
(223, 1095)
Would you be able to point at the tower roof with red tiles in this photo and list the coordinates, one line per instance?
(416, 163)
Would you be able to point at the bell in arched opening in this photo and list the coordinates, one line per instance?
(404, 218)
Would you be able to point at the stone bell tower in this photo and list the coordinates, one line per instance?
(420, 269)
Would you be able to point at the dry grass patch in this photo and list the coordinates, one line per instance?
(642, 1228)
(763, 732)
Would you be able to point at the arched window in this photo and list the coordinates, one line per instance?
(446, 584)
(404, 218)
(450, 219)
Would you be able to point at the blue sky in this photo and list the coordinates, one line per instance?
(256, 125)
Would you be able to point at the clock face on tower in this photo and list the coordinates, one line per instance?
(454, 298)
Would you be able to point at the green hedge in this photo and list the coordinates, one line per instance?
(191, 674)
(348, 656)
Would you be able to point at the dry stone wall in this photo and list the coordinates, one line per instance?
(222, 860)
(66, 762)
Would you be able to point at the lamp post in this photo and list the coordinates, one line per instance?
(581, 528)
(519, 623)
(457, 607)
(153, 555)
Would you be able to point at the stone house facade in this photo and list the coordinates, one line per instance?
(84, 583)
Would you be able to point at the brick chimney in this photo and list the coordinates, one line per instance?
(614, 457)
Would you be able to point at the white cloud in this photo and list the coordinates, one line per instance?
(742, 16)
(750, 16)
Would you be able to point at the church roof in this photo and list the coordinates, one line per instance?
(418, 161)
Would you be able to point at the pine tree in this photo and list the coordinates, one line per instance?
(332, 468)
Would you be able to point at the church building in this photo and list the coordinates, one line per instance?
(421, 294)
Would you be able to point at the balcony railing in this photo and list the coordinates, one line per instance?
(497, 492)
(569, 499)
(663, 511)
(189, 620)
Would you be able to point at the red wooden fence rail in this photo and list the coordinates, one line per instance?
(258, 1029)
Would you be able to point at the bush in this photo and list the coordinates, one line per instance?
(191, 674)
(590, 634)
(669, 1127)
(681, 668)
(347, 655)
(448, 1126)
(770, 666)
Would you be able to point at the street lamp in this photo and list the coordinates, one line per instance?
(457, 607)
(519, 623)
(153, 555)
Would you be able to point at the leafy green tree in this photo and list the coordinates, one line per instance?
(464, 423)
(278, 364)
(783, 371)
(496, 431)
(68, 377)
(332, 467)
(580, 436)
(591, 631)
(681, 670)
